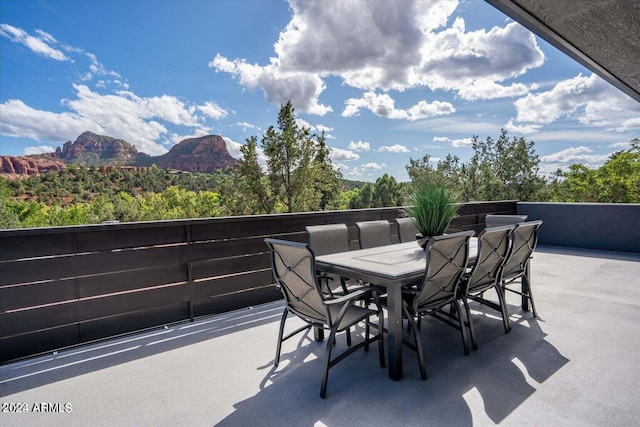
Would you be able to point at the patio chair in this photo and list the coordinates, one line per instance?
(294, 270)
(495, 220)
(493, 250)
(329, 239)
(524, 239)
(372, 234)
(446, 262)
(407, 230)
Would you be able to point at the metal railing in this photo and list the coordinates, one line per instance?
(63, 286)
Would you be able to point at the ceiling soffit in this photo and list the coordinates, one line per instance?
(603, 35)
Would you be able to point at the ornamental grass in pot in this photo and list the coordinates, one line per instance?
(433, 210)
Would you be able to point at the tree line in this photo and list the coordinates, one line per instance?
(298, 176)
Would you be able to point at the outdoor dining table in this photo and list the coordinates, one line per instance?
(392, 267)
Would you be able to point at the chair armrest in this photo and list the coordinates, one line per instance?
(349, 297)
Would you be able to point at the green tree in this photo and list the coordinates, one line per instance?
(503, 169)
(8, 218)
(616, 181)
(251, 181)
(386, 192)
(362, 198)
(499, 169)
(298, 177)
(448, 173)
(326, 178)
(290, 151)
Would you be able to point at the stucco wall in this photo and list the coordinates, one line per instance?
(611, 227)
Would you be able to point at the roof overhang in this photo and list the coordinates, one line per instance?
(602, 35)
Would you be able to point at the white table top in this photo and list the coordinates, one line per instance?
(399, 263)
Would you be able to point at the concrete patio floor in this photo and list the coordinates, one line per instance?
(576, 364)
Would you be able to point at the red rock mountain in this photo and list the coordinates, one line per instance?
(204, 154)
(90, 149)
(16, 167)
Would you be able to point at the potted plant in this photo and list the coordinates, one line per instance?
(433, 210)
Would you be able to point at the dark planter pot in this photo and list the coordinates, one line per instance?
(422, 240)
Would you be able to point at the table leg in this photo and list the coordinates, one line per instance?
(318, 334)
(394, 328)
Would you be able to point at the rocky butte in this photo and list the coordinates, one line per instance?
(204, 154)
(90, 149)
(23, 166)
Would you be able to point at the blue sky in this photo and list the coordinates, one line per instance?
(386, 80)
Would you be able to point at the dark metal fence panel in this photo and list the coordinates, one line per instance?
(63, 286)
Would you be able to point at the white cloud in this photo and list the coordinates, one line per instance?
(98, 69)
(588, 100)
(211, 109)
(384, 106)
(488, 89)
(41, 149)
(457, 143)
(396, 148)
(22, 121)
(524, 128)
(233, 147)
(359, 146)
(623, 145)
(317, 129)
(424, 110)
(632, 123)
(374, 166)
(338, 154)
(575, 155)
(124, 115)
(323, 128)
(454, 125)
(353, 172)
(245, 126)
(388, 45)
(302, 89)
(377, 49)
(304, 124)
(462, 142)
(39, 45)
(474, 63)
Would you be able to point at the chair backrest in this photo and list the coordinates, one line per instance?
(494, 245)
(407, 229)
(294, 269)
(492, 220)
(373, 233)
(447, 257)
(328, 239)
(524, 239)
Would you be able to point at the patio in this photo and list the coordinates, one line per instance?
(576, 364)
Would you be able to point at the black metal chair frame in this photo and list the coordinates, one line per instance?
(433, 294)
(303, 296)
(494, 248)
(524, 239)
